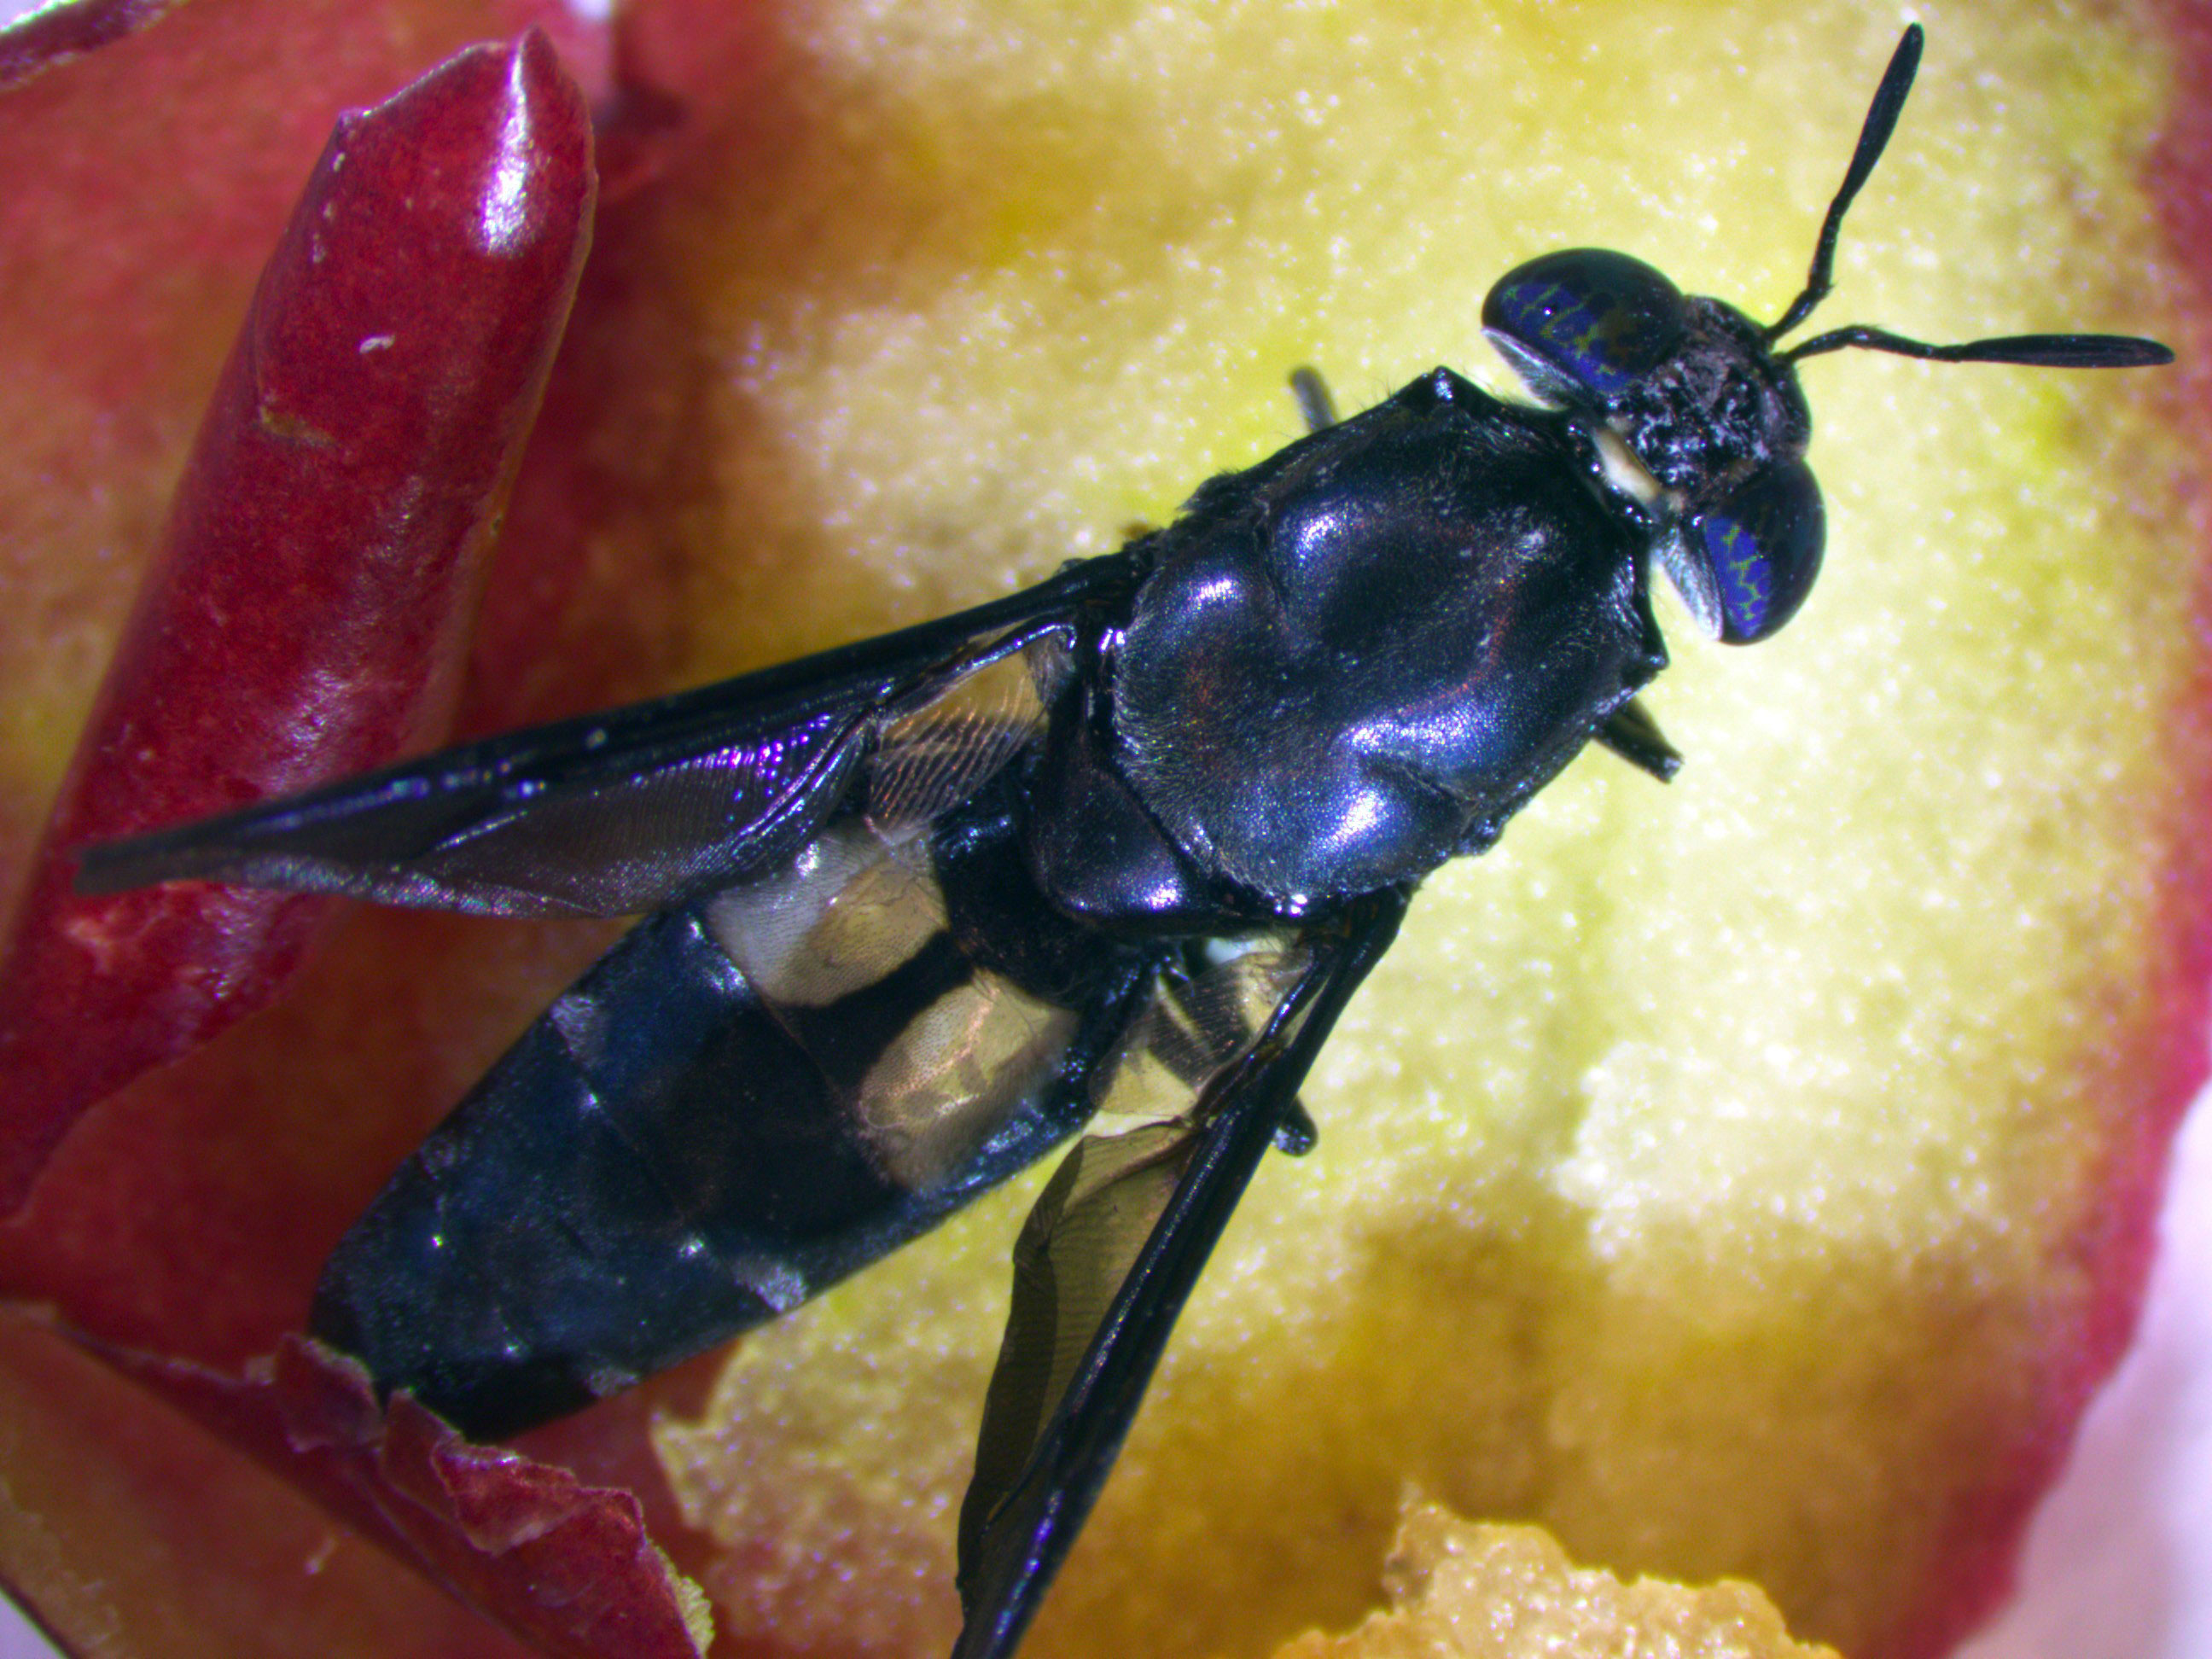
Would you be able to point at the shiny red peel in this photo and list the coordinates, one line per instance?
(566, 1567)
(53, 36)
(307, 615)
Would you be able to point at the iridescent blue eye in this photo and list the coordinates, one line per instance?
(1583, 325)
(1763, 545)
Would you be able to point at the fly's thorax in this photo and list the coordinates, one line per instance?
(1700, 421)
(1098, 856)
(1402, 632)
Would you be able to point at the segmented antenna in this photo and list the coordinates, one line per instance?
(1873, 138)
(2042, 350)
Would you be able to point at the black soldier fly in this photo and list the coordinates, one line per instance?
(1113, 851)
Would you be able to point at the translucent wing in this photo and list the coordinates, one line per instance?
(623, 811)
(1103, 1267)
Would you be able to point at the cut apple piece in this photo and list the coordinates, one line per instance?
(1749, 1178)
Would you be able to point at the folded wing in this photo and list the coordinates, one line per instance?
(619, 812)
(1109, 1256)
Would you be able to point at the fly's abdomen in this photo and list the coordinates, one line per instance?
(746, 1100)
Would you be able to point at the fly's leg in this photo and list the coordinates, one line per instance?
(1316, 406)
(1631, 733)
(1212, 1035)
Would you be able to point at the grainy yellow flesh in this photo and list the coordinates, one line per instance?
(1459, 1590)
(1700, 1176)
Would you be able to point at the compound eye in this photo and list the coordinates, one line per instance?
(1763, 546)
(1583, 325)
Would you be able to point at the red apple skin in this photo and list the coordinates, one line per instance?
(37, 42)
(163, 1225)
(128, 1523)
(408, 450)
(309, 613)
(567, 1567)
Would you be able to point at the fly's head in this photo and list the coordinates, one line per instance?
(1696, 416)
(1696, 409)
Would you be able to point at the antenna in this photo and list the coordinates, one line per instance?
(2042, 350)
(1873, 138)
